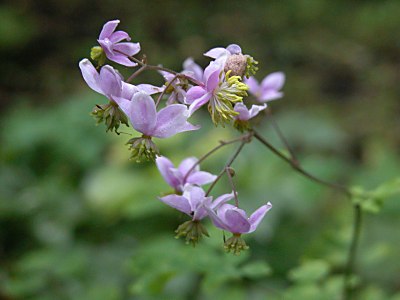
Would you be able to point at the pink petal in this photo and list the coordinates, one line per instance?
(108, 29)
(172, 120)
(128, 90)
(273, 81)
(199, 103)
(234, 49)
(216, 52)
(166, 168)
(215, 218)
(90, 75)
(110, 81)
(255, 109)
(200, 178)
(237, 221)
(149, 88)
(118, 36)
(221, 200)
(270, 95)
(254, 87)
(121, 59)
(258, 215)
(178, 202)
(190, 66)
(142, 113)
(211, 76)
(244, 113)
(128, 49)
(194, 93)
(187, 164)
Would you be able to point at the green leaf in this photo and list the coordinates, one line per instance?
(310, 271)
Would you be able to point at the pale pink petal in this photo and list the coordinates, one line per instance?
(142, 113)
(178, 202)
(128, 90)
(121, 59)
(194, 93)
(255, 109)
(211, 76)
(221, 200)
(258, 215)
(254, 87)
(166, 168)
(128, 49)
(200, 178)
(199, 103)
(270, 95)
(244, 113)
(110, 81)
(215, 218)
(216, 52)
(234, 49)
(236, 221)
(118, 36)
(190, 66)
(273, 81)
(172, 120)
(187, 164)
(150, 89)
(108, 29)
(90, 75)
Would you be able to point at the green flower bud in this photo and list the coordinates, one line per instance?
(97, 54)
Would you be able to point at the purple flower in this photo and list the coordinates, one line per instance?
(193, 201)
(179, 177)
(109, 82)
(246, 114)
(233, 219)
(141, 111)
(269, 88)
(220, 91)
(221, 54)
(110, 41)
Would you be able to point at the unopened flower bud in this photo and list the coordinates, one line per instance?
(98, 55)
(237, 63)
(242, 125)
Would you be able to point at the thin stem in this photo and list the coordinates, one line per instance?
(221, 144)
(297, 167)
(166, 88)
(142, 68)
(275, 126)
(229, 175)
(348, 288)
(159, 68)
(228, 164)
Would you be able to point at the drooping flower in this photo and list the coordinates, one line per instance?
(269, 88)
(142, 113)
(192, 203)
(192, 69)
(110, 84)
(221, 91)
(115, 50)
(242, 119)
(233, 219)
(184, 174)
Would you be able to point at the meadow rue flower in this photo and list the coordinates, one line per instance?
(192, 69)
(192, 203)
(269, 88)
(142, 113)
(184, 174)
(114, 49)
(233, 219)
(241, 120)
(231, 58)
(221, 91)
(110, 84)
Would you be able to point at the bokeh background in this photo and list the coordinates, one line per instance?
(80, 221)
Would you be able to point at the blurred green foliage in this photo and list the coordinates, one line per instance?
(79, 221)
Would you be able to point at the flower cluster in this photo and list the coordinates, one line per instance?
(222, 86)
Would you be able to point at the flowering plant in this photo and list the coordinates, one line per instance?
(223, 86)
